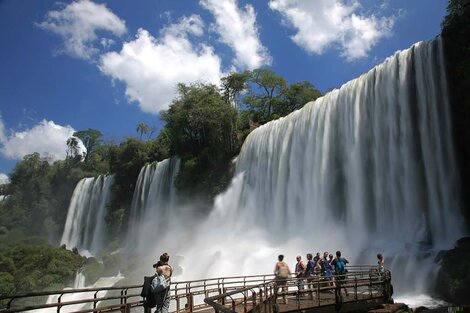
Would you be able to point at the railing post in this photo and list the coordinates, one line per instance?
(59, 301)
(318, 292)
(191, 302)
(355, 287)
(95, 302)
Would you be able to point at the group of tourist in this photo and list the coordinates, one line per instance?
(331, 270)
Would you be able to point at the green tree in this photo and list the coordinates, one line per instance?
(73, 149)
(199, 127)
(91, 139)
(142, 128)
(267, 94)
(232, 85)
(297, 95)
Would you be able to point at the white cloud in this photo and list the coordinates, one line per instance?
(237, 28)
(323, 23)
(4, 179)
(2, 130)
(47, 138)
(151, 67)
(77, 24)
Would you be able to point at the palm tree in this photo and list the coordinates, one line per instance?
(72, 147)
(142, 128)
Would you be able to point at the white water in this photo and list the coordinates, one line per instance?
(85, 226)
(154, 198)
(367, 168)
(415, 301)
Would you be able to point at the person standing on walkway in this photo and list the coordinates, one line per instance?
(327, 268)
(381, 263)
(310, 275)
(300, 269)
(339, 264)
(281, 274)
(165, 269)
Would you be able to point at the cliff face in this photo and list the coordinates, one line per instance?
(456, 34)
(453, 282)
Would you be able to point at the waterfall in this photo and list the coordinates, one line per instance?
(373, 158)
(367, 168)
(154, 198)
(85, 226)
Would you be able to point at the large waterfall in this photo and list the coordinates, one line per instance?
(153, 201)
(367, 168)
(85, 227)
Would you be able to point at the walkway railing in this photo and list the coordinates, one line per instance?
(238, 293)
(362, 283)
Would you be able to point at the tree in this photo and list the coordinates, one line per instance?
(297, 95)
(198, 125)
(199, 118)
(272, 88)
(73, 149)
(233, 85)
(91, 139)
(142, 128)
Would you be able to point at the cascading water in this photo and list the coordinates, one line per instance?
(367, 168)
(154, 198)
(85, 226)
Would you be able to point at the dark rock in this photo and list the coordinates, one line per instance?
(420, 309)
(453, 281)
(464, 243)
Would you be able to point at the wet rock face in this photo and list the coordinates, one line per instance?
(453, 282)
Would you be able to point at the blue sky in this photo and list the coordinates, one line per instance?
(108, 65)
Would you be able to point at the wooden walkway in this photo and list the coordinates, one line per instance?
(240, 294)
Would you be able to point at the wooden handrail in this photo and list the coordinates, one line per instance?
(183, 293)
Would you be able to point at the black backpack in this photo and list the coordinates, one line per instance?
(147, 294)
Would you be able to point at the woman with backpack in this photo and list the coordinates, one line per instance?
(164, 269)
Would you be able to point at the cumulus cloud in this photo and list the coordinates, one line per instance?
(2, 130)
(237, 28)
(47, 138)
(4, 179)
(77, 24)
(324, 23)
(151, 67)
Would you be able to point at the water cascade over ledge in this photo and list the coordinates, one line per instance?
(367, 168)
(85, 226)
(153, 201)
